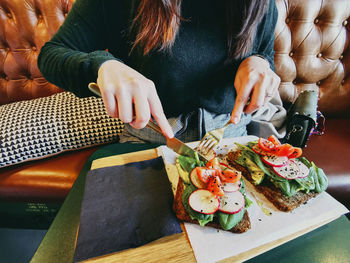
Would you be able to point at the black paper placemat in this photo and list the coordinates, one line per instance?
(125, 207)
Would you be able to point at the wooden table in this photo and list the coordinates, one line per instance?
(58, 244)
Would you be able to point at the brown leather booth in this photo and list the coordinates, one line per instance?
(312, 52)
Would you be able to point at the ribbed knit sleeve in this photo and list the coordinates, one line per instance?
(71, 59)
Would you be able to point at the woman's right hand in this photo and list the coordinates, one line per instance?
(127, 94)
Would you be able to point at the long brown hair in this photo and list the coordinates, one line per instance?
(157, 23)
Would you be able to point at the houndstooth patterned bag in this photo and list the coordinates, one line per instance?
(46, 126)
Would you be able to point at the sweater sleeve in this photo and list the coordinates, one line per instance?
(265, 38)
(71, 59)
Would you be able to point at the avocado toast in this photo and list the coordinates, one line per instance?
(278, 172)
(211, 195)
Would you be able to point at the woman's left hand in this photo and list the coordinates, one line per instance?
(255, 82)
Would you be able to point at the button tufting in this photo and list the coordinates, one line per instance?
(319, 55)
(341, 57)
(9, 15)
(7, 49)
(40, 16)
(294, 82)
(291, 54)
(343, 81)
(34, 48)
(287, 20)
(345, 22)
(316, 21)
(318, 83)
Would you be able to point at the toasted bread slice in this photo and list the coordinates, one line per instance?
(181, 213)
(269, 190)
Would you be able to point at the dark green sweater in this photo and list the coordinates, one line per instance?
(194, 74)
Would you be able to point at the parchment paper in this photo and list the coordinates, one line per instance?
(212, 245)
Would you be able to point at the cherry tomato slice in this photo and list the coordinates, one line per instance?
(256, 148)
(266, 145)
(297, 152)
(284, 150)
(213, 164)
(274, 140)
(215, 186)
(204, 174)
(230, 176)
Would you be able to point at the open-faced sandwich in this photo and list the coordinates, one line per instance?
(278, 172)
(211, 194)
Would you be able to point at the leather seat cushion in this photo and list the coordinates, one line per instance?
(331, 152)
(48, 179)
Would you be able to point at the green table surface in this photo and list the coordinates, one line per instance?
(329, 243)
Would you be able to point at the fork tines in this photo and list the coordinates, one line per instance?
(207, 143)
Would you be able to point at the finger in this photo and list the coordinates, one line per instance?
(272, 89)
(258, 95)
(110, 103)
(159, 116)
(142, 111)
(243, 93)
(124, 105)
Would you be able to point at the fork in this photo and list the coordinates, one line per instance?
(211, 139)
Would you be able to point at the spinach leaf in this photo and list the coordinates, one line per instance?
(229, 221)
(321, 180)
(308, 182)
(289, 187)
(316, 180)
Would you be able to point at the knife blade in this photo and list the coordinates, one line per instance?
(181, 148)
(175, 144)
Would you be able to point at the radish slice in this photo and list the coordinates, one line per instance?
(274, 160)
(196, 181)
(304, 170)
(231, 187)
(204, 202)
(290, 171)
(256, 148)
(231, 203)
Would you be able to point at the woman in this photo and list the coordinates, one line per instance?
(186, 63)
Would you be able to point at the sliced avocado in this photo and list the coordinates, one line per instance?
(256, 173)
(183, 174)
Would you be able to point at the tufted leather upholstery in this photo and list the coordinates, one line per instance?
(311, 51)
(24, 28)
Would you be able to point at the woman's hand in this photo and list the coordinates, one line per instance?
(127, 94)
(255, 83)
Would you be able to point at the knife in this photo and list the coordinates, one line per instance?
(175, 144)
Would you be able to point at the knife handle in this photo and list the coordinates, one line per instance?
(93, 87)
